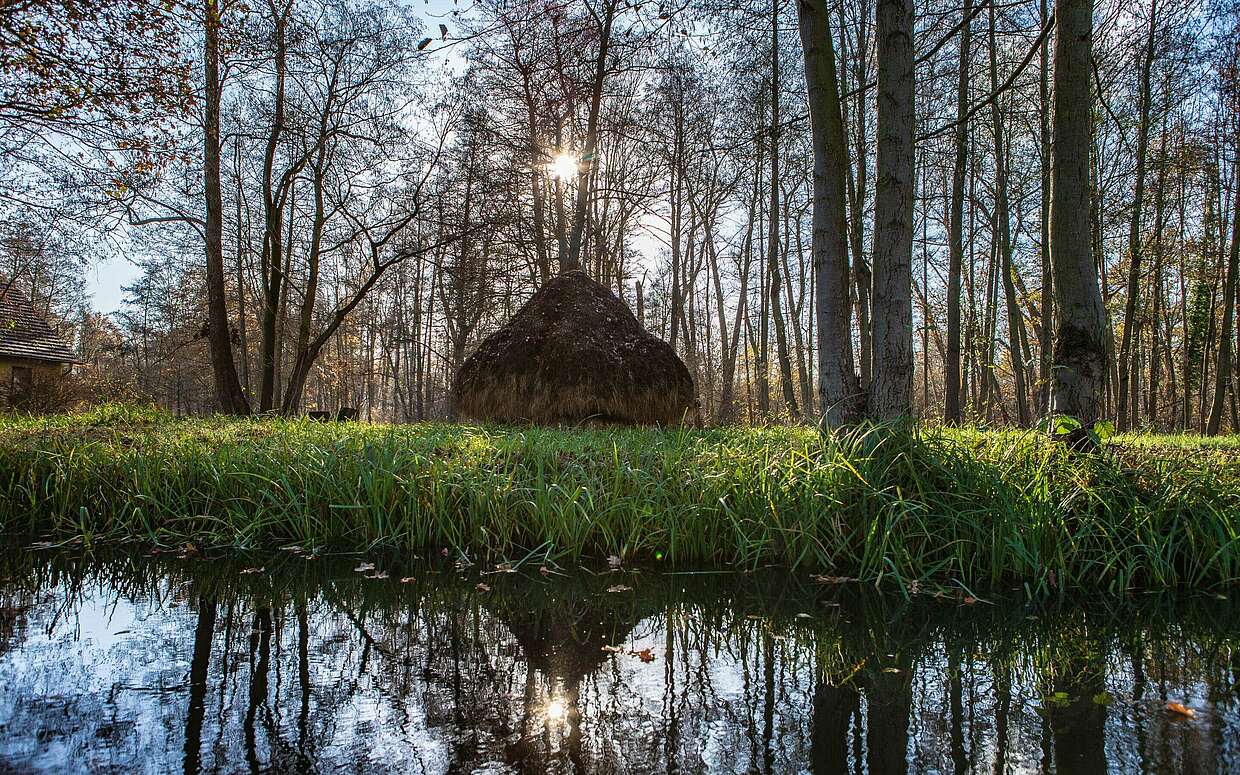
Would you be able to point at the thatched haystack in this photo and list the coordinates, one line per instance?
(574, 354)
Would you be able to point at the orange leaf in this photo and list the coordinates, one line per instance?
(1180, 709)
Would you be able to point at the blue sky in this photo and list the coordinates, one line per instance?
(104, 281)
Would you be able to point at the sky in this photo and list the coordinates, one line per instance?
(105, 279)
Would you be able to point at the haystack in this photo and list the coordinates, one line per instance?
(574, 354)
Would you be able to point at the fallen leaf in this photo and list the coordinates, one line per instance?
(482, 587)
(970, 600)
(293, 548)
(379, 574)
(504, 567)
(612, 649)
(445, 552)
(1180, 709)
(249, 571)
(821, 579)
(406, 579)
(365, 567)
(619, 588)
(188, 549)
(645, 655)
(614, 561)
(543, 570)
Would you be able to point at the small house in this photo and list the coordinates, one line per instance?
(32, 356)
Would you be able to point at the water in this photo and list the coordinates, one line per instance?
(122, 662)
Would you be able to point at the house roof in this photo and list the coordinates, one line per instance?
(23, 331)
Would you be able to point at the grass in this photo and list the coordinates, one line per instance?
(965, 509)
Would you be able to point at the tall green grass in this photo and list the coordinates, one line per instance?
(975, 510)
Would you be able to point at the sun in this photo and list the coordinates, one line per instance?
(556, 711)
(563, 166)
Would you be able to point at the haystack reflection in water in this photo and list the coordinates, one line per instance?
(127, 663)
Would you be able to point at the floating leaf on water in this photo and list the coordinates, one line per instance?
(645, 655)
(619, 588)
(1181, 710)
(614, 561)
(379, 574)
(969, 600)
(407, 579)
(365, 567)
(482, 587)
(543, 570)
(821, 579)
(613, 649)
(504, 567)
(248, 571)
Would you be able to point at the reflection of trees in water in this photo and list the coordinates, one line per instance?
(317, 668)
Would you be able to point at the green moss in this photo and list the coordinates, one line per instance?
(979, 510)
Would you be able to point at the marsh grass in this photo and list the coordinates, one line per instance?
(973, 510)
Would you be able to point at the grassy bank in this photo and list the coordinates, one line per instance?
(982, 510)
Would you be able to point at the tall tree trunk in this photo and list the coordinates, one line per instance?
(839, 393)
(1080, 321)
(1047, 313)
(951, 374)
(1223, 366)
(892, 383)
(588, 160)
(1015, 319)
(775, 290)
(273, 209)
(1127, 419)
(228, 394)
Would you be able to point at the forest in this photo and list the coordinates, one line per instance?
(605, 386)
(844, 209)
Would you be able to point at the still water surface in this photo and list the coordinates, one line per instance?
(128, 663)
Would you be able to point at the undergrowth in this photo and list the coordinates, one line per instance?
(893, 505)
